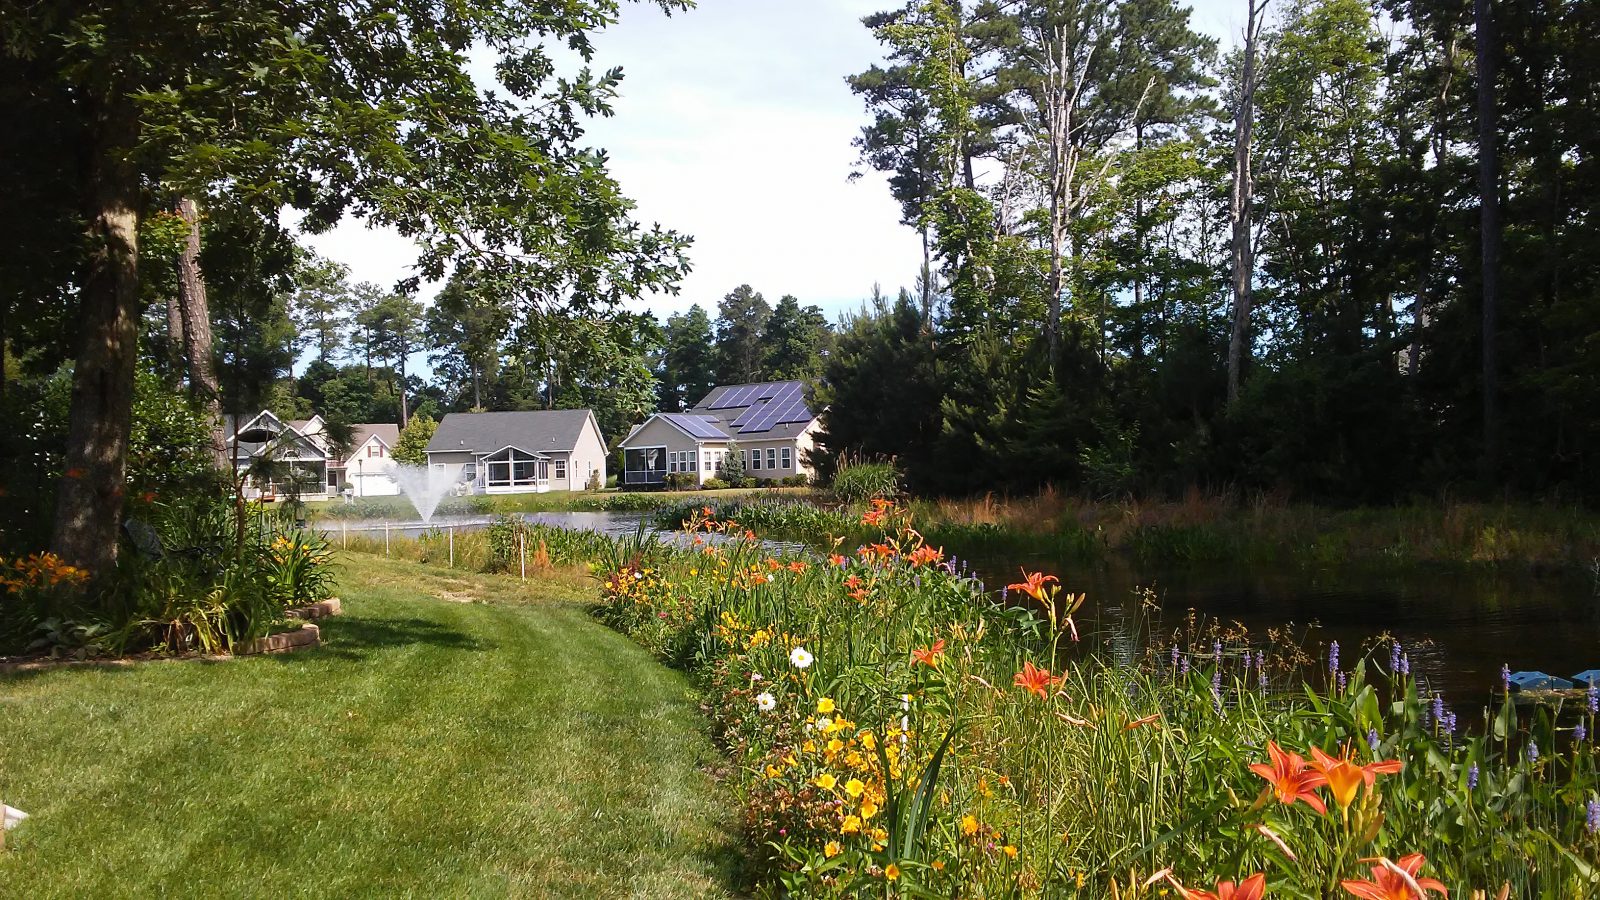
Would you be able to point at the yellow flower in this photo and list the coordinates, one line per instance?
(892, 872)
(938, 865)
(826, 781)
(850, 825)
(854, 787)
(969, 825)
(825, 705)
(773, 771)
(868, 741)
(869, 809)
(1009, 850)
(834, 746)
(832, 849)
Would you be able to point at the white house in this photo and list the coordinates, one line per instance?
(301, 460)
(368, 469)
(520, 452)
(768, 424)
(305, 455)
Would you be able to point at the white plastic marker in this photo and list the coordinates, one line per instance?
(13, 816)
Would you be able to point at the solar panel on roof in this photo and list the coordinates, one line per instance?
(695, 425)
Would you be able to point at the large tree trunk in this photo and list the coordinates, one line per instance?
(89, 505)
(1489, 211)
(1241, 201)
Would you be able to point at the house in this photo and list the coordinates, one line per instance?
(769, 425)
(302, 463)
(307, 460)
(368, 469)
(520, 452)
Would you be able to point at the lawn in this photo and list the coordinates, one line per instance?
(456, 736)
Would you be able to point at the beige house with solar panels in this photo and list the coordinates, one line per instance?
(768, 424)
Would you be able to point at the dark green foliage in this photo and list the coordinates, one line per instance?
(861, 481)
(1363, 378)
(741, 321)
(689, 361)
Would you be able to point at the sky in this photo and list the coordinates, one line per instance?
(734, 125)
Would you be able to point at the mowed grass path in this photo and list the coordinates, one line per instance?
(431, 748)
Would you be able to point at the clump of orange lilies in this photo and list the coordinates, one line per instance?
(1291, 779)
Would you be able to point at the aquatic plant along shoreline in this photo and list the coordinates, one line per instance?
(893, 728)
(1201, 530)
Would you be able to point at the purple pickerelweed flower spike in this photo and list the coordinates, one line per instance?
(1342, 681)
(1533, 751)
(1438, 709)
(1405, 664)
(1261, 660)
(1580, 732)
(1216, 651)
(1505, 677)
(1472, 777)
(1333, 657)
(1372, 739)
(1216, 682)
(1174, 656)
(1394, 658)
(1449, 723)
(1593, 816)
(1004, 593)
(1594, 697)
(1183, 666)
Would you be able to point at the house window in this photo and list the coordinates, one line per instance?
(469, 472)
(561, 469)
(710, 461)
(772, 457)
(788, 459)
(753, 463)
(374, 450)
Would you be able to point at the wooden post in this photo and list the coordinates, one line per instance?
(522, 552)
(452, 546)
(385, 537)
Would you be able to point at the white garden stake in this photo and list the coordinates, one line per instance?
(13, 816)
(452, 546)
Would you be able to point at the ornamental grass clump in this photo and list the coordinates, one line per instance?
(900, 731)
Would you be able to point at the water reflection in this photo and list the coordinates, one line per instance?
(1457, 627)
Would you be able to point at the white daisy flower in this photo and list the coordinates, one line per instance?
(824, 723)
(800, 658)
(765, 702)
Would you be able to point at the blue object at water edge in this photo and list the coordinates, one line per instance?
(1537, 681)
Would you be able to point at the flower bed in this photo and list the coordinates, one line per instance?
(897, 730)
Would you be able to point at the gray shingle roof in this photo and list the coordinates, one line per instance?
(540, 430)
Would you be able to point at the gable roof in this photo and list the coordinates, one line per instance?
(386, 432)
(539, 430)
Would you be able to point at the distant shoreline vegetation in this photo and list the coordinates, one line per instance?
(1543, 537)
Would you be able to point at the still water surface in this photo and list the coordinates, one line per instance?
(1458, 626)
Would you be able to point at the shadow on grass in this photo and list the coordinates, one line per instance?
(352, 637)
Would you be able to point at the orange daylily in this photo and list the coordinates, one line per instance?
(1395, 881)
(1345, 776)
(1252, 888)
(1288, 778)
(1035, 680)
(926, 555)
(1033, 584)
(928, 656)
(852, 582)
(837, 560)
(797, 566)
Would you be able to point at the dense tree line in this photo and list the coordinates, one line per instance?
(1112, 211)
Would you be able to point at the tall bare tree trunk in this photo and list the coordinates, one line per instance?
(89, 505)
(1242, 200)
(195, 315)
(1489, 213)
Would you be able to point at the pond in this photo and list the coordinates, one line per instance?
(1458, 626)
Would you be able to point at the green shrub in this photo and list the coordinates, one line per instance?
(714, 484)
(795, 481)
(680, 481)
(862, 481)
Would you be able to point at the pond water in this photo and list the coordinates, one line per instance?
(1457, 626)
